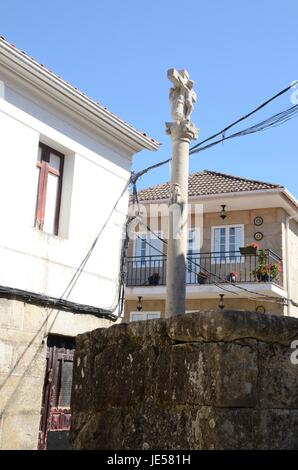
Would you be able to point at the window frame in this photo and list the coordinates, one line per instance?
(44, 170)
(214, 260)
(190, 266)
(145, 313)
(149, 247)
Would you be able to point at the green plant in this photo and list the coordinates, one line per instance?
(266, 271)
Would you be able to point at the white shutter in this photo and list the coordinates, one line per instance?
(219, 243)
(193, 247)
(156, 244)
(152, 315)
(193, 242)
(140, 245)
(140, 250)
(140, 316)
(137, 317)
(227, 239)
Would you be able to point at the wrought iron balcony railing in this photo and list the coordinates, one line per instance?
(208, 268)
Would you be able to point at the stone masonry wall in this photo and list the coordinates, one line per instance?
(22, 368)
(23, 347)
(206, 380)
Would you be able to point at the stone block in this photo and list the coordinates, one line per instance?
(276, 429)
(278, 377)
(20, 432)
(20, 394)
(149, 426)
(206, 374)
(206, 380)
(29, 359)
(11, 314)
(35, 318)
(232, 325)
(6, 355)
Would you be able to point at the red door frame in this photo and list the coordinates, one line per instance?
(54, 417)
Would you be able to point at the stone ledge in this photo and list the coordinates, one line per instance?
(202, 326)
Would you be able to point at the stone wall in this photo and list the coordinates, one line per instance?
(22, 366)
(207, 380)
(23, 346)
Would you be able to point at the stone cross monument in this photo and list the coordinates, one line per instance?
(182, 131)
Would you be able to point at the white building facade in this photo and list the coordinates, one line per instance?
(65, 161)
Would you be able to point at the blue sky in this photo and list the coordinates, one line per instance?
(118, 52)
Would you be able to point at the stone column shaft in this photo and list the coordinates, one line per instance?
(177, 242)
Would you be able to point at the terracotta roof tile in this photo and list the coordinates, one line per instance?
(207, 182)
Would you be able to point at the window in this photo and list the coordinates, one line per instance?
(148, 245)
(141, 246)
(193, 249)
(226, 241)
(139, 316)
(50, 169)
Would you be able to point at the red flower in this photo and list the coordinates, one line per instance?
(254, 245)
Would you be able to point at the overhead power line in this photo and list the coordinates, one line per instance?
(272, 121)
(258, 108)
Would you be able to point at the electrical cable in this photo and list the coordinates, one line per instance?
(273, 121)
(258, 108)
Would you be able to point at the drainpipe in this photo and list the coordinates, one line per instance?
(289, 292)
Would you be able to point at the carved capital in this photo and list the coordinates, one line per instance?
(182, 131)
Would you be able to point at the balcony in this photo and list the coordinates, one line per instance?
(207, 268)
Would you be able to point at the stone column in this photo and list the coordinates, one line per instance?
(182, 132)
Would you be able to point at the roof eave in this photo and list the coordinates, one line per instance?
(23, 65)
(280, 190)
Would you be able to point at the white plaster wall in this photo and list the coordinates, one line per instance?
(96, 171)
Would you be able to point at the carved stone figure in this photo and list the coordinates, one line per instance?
(175, 194)
(182, 96)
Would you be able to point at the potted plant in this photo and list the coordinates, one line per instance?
(232, 277)
(202, 277)
(154, 279)
(261, 273)
(265, 271)
(249, 249)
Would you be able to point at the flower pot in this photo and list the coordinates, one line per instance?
(264, 277)
(231, 278)
(153, 280)
(248, 250)
(201, 279)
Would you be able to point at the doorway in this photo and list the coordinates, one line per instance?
(55, 409)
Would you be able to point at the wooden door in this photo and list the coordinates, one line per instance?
(55, 411)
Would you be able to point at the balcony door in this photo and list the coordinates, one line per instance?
(148, 259)
(226, 241)
(193, 255)
(147, 245)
